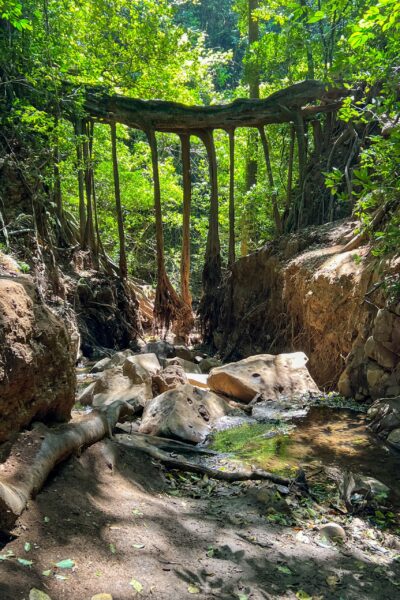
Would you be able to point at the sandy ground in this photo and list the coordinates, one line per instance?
(127, 526)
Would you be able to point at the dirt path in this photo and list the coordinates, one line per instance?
(131, 523)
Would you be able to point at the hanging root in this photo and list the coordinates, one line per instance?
(170, 309)
(210, 303)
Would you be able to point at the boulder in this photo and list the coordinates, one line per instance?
(113, 385)
(184, 352)
(387, 330)
(168, 379)
(272, 377)
(209, 363)
(380, 353)
(394, 438)
(198, 380)
(161, 349)
(186, 413)
(37, 359)
(115, 360)
(140, 368)
(385, 415)
(188, 367)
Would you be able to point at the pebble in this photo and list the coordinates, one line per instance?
(332, 531)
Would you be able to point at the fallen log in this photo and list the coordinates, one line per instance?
(37, 452)
(138, 442)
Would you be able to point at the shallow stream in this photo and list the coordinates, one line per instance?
(326, 436)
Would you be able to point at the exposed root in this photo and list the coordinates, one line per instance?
(37, 452)
(142, 443)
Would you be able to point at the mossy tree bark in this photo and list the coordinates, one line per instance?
(123, 268)
(290, 168)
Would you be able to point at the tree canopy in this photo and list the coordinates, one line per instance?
(198, 52)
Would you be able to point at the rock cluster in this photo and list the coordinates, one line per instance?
(373, 366)
(180, 401)
(385, 415)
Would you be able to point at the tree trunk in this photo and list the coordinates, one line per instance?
(123, 269)
(28, 466)
(290, 170)
(253, 80)
(302, 159)
(277, 217)
(82, 207)
(57, 176)
(169, 308)
(212, 267)
(88, 174)
(187, 199)
(231, 251)
(307, 41)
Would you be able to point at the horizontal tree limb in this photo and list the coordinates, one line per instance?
(174, 117)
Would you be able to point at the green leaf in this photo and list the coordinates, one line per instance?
(301, 595)
(65, 564)
(193, 589)
(285, 570)
(27, 546)
(46, 519)
(26, 563)
(36, 594)
(113, 549)
(137, 586)
(47, 573)
(317, 16)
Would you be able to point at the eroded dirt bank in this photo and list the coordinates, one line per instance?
(37, 355)
(303, 292)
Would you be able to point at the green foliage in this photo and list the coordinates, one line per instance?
(195, 52)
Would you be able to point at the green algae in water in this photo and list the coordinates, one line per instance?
(263, 444)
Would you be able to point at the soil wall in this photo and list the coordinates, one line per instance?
(304, 293)
(37, 355)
